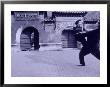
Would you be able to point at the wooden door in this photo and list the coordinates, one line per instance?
(68, 39)
(25, 41)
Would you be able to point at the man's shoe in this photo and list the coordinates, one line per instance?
(81, 65)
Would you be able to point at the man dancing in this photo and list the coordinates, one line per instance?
(91, 45)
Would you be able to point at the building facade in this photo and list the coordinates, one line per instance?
(36, 28)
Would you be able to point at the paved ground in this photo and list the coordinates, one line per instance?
(52, 62)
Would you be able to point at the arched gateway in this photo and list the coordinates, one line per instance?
(29, 38)
(68, 39)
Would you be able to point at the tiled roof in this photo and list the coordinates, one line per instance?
(70, 14)
(92, 16)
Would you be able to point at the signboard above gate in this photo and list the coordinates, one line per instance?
(25, 15)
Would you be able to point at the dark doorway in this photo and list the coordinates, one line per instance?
(29, 38)
(68, 39)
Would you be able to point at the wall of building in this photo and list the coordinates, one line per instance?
(48, 32)
(38, 24)
(64, 23)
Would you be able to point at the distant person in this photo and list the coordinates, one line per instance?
(91, 45)
(32, 39)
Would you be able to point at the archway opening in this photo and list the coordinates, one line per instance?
(68, 39)
(29, 39)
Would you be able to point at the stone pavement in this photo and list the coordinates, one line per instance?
(52, 62)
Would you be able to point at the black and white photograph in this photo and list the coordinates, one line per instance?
(55, 43)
